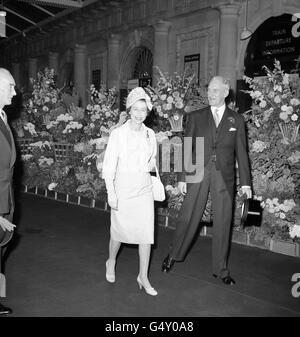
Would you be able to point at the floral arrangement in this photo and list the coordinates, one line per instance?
(171, 95)
(276, 110)
(273, 134)
(44, 98)
(101, 113)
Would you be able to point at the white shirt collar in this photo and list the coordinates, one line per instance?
(221, 110)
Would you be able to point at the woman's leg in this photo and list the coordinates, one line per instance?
(144, 253)
(114, 247)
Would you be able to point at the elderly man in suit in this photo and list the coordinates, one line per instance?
(7, 161)
(223, 132)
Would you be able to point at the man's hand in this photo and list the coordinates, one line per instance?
(6, 225)
(247, 190)
(182, 187)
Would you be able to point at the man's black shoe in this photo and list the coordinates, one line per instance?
(167, 264)
(4, 310)
(227, 280)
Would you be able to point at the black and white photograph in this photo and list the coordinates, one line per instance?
(149, 162)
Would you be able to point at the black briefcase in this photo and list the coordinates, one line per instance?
(251, 213)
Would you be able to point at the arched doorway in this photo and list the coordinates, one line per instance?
(143, 67)
(136, 71)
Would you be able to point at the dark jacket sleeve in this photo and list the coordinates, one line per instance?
(242, 154)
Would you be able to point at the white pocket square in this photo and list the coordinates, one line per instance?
(232, 129)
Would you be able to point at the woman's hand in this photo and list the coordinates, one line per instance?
(113, 202)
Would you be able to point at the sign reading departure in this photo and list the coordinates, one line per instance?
(277, 38)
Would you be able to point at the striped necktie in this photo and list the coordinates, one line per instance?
(216, 116)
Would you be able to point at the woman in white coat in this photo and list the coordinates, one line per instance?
(128, 160)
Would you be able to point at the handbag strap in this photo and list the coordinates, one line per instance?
(157, 174)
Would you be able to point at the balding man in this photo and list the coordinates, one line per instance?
(7, 161)
(223, 132)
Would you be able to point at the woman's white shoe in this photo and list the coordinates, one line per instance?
(111, 278)
(150, 291)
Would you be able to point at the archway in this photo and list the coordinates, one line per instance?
(137, 65)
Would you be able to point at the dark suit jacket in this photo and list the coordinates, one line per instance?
(229, 145)
(7, 161)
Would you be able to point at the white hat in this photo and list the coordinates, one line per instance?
(135, 95)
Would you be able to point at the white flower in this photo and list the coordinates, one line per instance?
(294, 117)
(52, 186)
(169, 106)
(285, 79)
(179, 105)
(294, 231)
(295, 157)
(277, 99)
(45, 108)
(26, 156)
(79, 147)
(282, 215)
(284, 116)
(169, 188)
(163, 97)
(263, 104)
(170, 99)
(295, 101)
(258, 146)
(277, 88)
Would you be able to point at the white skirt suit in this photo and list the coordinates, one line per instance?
(129, 158)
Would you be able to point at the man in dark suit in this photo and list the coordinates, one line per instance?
(7, 161)
(223, 132)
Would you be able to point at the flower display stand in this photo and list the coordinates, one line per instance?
(62, 150)
(176, 122)
(24, 145)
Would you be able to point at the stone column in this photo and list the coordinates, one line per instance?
(161, 39)
(113, 62)
(32, 69)
(228, 43)
(80, 72)
(16, 73)
(53, 61)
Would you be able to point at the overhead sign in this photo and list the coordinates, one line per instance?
(277, 38)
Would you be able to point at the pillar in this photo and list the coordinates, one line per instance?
(161, 39)
(228, 43)
(80, 72)
(53, 61)
(113, 62)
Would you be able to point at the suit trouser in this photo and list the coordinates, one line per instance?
(9, 217)
(192, 211)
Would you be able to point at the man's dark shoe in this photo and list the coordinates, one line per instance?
(227, 280)
(4, 310)
(167, 264)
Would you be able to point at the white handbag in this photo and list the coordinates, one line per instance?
(158, 188)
